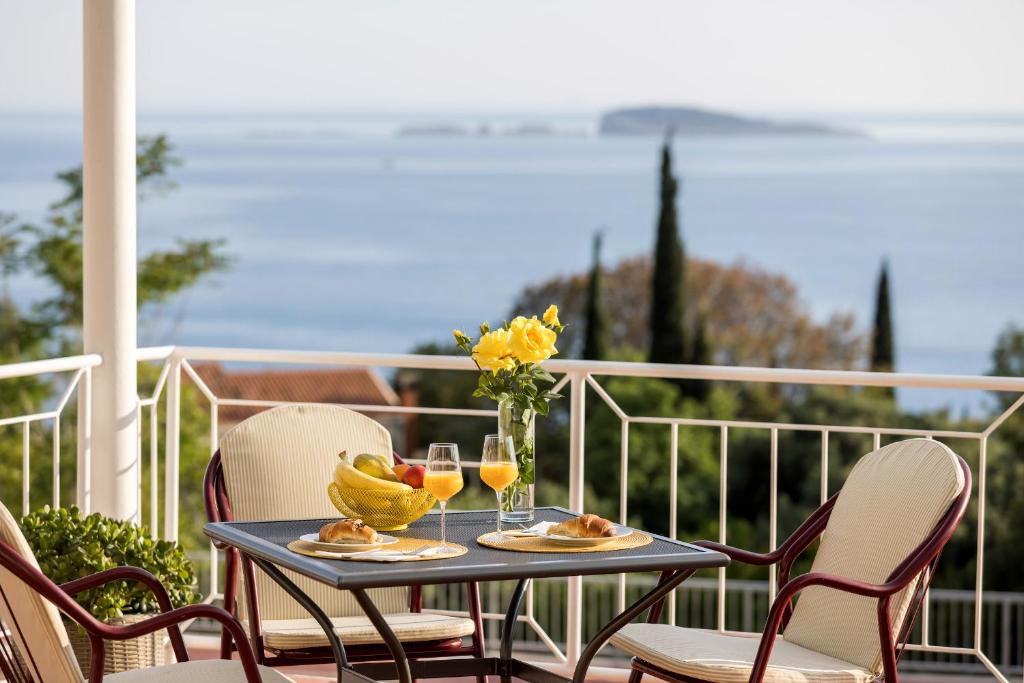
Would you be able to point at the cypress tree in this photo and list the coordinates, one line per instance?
(883, 357)
(668, 293)
(594, 341)
(700, 354)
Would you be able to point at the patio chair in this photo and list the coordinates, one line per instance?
(881, 537)
(276, 465)
(34, 645)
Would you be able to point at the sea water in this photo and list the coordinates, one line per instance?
(346, 236)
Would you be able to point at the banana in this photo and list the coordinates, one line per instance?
(345, 475)
(375, 466)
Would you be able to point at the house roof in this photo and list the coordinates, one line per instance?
(362, 386)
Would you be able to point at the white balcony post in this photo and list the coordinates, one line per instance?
(108, 250)
(172, 442)
(577, 425)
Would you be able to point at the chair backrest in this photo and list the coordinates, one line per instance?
(892, 502)
(41, 651)
(277, 465)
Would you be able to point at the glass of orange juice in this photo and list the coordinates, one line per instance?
(443, 479)
(498, 466)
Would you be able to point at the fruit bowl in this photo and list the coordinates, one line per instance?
(385, 509)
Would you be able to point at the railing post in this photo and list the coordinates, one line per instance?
(577, 425)
(83, 466)
(109, 249)
(173, 446)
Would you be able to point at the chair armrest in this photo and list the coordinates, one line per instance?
(744, 556)
(141, 576)
(117, 574)
(782, 602)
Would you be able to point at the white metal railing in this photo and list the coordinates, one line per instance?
(581, 378)
(76, 372)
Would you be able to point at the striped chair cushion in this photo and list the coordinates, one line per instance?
(890, 503)
(39, 635)
(722, 658)
(277, 465)
(290, 634)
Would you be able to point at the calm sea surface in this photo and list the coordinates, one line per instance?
(348, 237)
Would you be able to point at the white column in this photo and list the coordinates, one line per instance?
(108, 254)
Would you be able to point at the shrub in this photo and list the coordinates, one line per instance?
(69, 546)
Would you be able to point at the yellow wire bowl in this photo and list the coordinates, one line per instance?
(382, 509)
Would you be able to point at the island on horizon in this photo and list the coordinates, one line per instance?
(692, 121)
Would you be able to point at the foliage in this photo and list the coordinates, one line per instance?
(69, 546)
(883, 357)
(53, 251)
(1005, 514)
(668, 284)
(596, 322)
(754, 317)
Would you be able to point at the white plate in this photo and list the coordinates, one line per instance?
(346, 546)
(620, 531)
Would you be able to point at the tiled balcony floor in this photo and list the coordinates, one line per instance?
(205, 649)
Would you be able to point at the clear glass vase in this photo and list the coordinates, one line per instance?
(517, 499)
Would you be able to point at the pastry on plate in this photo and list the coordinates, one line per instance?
(347, 530)
(584, 526)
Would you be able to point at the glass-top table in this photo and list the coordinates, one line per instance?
(265, 544)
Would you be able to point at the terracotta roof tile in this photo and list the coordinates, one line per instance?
(362, 386)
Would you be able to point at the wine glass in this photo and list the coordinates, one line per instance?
(498, 466)
(443, 479)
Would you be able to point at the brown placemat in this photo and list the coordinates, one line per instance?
(303, 548)
(538, 544)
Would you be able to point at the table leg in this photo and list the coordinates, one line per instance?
(657, 593)
(390, 639)
(340, 658)
(505, 653)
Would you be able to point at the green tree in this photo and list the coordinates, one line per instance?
(883, 358)
(596, 323)
(668, 293)
(52, 251)
(1005, 513)
(56, 252)
(700, 353)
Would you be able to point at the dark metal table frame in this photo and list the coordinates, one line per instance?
(676, 561)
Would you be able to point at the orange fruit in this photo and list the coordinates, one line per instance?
(399, 470)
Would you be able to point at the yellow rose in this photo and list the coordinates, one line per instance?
(551, 316)
(530, 341)
(492, 351)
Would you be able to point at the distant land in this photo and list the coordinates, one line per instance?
(487, 130)
(655, 120)
(690, 121)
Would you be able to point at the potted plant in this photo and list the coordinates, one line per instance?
(69, 546)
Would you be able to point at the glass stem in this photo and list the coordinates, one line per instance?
(499, 511)
(444, 536)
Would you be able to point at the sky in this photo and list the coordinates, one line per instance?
(394, 55)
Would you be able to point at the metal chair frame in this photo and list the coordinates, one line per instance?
(23, 669)
(218, 509)
(920, 562)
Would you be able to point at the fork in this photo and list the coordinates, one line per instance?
(415, 551)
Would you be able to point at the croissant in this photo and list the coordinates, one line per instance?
(584, 526)
(348, 530)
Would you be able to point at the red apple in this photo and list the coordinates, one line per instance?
(414, 476)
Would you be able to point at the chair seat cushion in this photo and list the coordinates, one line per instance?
(296, 634)
(207, 671)
(723, 658)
